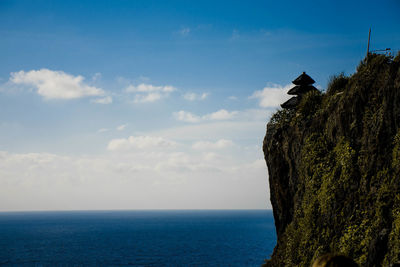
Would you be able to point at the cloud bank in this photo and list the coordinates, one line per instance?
(178, 178)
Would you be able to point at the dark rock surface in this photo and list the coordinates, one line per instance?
(334, 166)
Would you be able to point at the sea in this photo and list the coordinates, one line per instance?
(136, 238)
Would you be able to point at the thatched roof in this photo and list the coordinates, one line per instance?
(303, 79)
(291, 103)
(301, 89)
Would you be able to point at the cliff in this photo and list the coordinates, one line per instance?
(334, 165)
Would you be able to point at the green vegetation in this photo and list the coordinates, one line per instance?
(309, 105)
(337, 83)
(282, 117)
(336, 157)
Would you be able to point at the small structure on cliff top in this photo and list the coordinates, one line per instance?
(303, 85)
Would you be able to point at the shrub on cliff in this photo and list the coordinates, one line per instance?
(337, 83)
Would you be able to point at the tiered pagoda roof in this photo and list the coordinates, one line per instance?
(303, 85)
(291, 103)
(301, 89)
(303, 79)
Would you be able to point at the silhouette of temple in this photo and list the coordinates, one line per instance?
(303, 85)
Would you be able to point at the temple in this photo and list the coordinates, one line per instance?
(303, 85)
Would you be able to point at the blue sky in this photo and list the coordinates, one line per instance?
(161, 104)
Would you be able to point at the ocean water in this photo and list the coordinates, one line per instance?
(136, 238)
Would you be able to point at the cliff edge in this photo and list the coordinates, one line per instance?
(334, 169)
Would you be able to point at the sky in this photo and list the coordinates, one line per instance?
(161, 104)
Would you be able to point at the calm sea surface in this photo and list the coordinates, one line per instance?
(136, 238)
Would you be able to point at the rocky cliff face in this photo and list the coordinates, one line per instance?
(334, 170)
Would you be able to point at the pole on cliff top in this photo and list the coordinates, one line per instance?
(369, 38)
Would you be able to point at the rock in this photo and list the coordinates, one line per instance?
(334, 170)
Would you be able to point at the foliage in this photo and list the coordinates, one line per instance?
(309, 104)
(337, 83)
(282, 117)
(342, 159)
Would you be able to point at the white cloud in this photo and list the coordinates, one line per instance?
(147, 172)
(184, 31)
(207, 145)
(147, 88)
(96, 76)
(272, 96)
(147, 93)
(55, 84)
(194, 96)
(148, 98)
(104, 100)
(122, 127)
(102, 130)
(186, 116)
(261, 115)
(248, 126)
(146, 180)
(221, 115)
(133, 143)
(218, 115)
